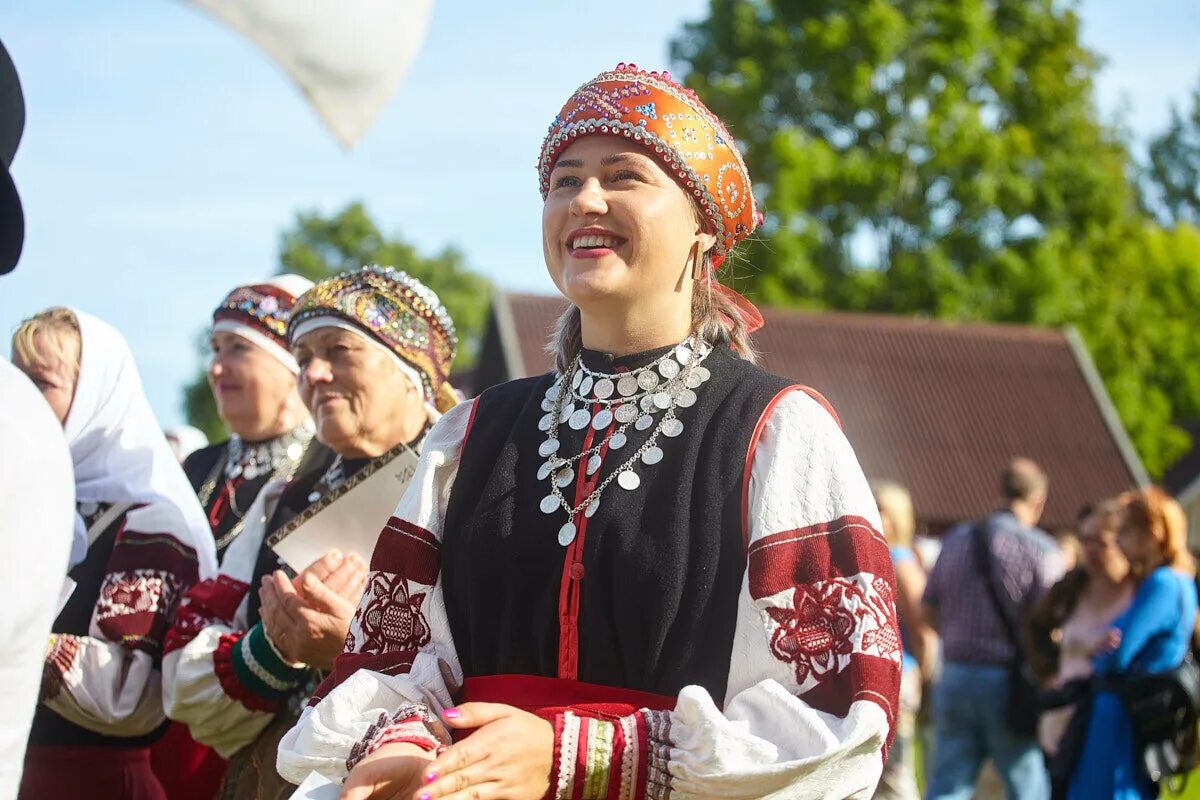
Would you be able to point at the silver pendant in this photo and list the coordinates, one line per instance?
(593, 465)
(544, 422)
(686, 399)
(647, 404)
(603, 389)
(683, 354)
(617, 441)
(644, 422)
(602, 420)
(592, 508)
(314, 497)
(576, 378)
(295, 450)
(566, 534)
(629, 480)
(652, 455)
(586, 385)
(236, 471)
(544, 469)
(662, 400)
(669, 369)
(627, 386)
(703, 373)
(547, 404)
(566, 413)
(548, 448)
(549, 504)
(671, 427)
(579, 420)
(693, 380)
(564, 477)
(553, 392)
(648, 380)
(626, 413)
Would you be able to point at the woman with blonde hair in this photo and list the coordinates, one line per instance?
(1153, 635)
(657, 570)
(899, 779)
(141, 543)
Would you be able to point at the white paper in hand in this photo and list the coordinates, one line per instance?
(349, 518)
(317, 787)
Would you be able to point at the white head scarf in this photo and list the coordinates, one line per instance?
(119, 451)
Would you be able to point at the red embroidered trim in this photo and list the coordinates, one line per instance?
(407, 550)
(207, 603)
(557, 756)
(223, 668)
(58, 664)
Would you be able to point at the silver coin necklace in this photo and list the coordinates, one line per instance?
(644, 398)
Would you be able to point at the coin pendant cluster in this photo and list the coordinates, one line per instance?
(251, 461)
(642, 399)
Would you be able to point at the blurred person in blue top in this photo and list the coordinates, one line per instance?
(899, 779)
(1152, 636)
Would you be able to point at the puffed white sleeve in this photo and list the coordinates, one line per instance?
(815, 672)
(222, 677)
(110, 680)
(399, 668)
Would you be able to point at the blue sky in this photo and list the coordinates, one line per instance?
(163, 154)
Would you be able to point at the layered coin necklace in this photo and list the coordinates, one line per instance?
(645, 398)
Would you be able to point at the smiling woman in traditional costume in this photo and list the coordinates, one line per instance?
(373, 350)
(657, 571)
(253, 380)
(142, 542)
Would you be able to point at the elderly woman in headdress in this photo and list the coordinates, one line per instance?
(141, 542)
(373, 349)
(252, 375)
(657, 571)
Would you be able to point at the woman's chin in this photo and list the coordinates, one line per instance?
(595, 280)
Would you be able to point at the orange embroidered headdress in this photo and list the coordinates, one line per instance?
(675, 126)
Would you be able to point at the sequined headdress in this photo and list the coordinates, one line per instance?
(396, 311)
(260, 312)
(652, 109)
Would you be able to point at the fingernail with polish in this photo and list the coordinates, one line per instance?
(451, 713)
(424, 796)
(430, 777)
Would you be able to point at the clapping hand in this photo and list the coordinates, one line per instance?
(307, 618)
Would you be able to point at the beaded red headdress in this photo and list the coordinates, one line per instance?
(675, 126)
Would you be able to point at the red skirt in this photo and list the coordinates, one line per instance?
(95, 773)
(548, 697)
(187, 770)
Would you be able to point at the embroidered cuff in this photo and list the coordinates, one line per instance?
(626, 758)
(412, 724)
(260, 668)
(61, 652)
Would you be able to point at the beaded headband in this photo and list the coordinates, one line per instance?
(259, 312)
(396, 309)
(675, 126)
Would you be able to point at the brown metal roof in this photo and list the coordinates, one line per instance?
(938, 407)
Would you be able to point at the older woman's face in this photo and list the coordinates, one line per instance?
(361, 402)
(616, 227)
(54, 375)
(1102, 557)
(249, 384)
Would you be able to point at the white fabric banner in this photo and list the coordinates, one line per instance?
(347, 56)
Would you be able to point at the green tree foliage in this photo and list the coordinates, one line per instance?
(945, 157)
(1173, 173)
(318, 247)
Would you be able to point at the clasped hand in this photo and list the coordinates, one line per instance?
(508, 756)
(307, 618)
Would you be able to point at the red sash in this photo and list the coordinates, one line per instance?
(547, 697)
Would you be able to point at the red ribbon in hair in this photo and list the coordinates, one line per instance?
(745, 309)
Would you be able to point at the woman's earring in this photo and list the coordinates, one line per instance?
(697, 262)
